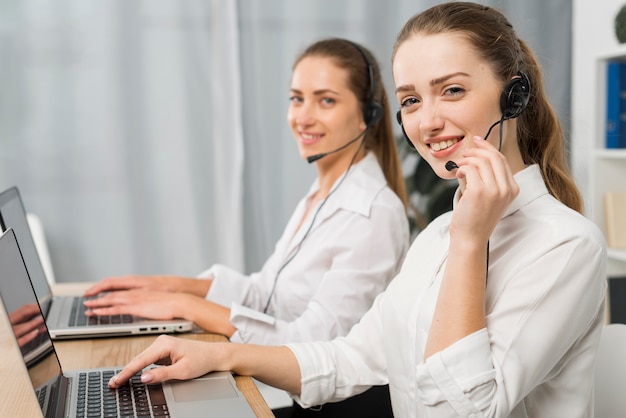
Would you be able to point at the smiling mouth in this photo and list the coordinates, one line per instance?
(438, 146)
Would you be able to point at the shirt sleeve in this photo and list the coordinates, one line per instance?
(344, 367)
(366, 253)
(229, 286)
(532, 326)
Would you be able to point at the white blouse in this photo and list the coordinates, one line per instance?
(355, 247)
(545, 309)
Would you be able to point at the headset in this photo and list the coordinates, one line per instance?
(513, 100)
(372, 109)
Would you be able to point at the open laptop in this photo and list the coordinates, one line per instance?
(65, 315)
(83, 393)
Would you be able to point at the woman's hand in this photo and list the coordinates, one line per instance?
(487, 190)
(163, 305)
(182, 359)
(139, 302)
(198, 287)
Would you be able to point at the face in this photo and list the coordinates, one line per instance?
(448, 94)
(324, 113)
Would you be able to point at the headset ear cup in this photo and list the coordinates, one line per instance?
(406, 137)
(372, 113)
(515, 96)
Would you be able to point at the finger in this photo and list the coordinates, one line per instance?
(119, 297)
(109, 284)
(26, 327)
(492, 168)
(158, 351)
(98, 302)
(110, 310)
(103, 286)
(25, 339)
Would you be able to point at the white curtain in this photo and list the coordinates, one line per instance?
(120, 122)
(150, 136)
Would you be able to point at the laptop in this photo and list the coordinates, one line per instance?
(65, 315)
(82, 393)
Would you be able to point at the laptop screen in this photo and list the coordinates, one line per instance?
(13, 215)
(26, 320)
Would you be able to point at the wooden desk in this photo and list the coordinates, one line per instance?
(15, 387)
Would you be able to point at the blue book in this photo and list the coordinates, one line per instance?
(616, 104)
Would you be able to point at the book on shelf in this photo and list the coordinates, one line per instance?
(617, 299)
(615, 219)
(616, 104)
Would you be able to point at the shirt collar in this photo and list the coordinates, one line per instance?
(363, 182)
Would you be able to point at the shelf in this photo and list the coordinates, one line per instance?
(611, 154)
(618, 52)
(617, 254)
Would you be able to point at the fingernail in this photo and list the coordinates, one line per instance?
(113, 380)
(146, 378)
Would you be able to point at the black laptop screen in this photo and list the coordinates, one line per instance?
(26, 320)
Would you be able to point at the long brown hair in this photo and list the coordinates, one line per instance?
(539, 134)
(380, 138)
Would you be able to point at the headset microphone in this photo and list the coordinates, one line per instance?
(451, 165)
(316, 157)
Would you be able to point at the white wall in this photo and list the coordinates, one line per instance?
(592, 32)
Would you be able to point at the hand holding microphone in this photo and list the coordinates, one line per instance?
(488, 188)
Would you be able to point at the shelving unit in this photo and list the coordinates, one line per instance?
(607, 166)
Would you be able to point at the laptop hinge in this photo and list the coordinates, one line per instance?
(59, 398)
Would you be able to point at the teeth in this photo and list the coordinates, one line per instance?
(438, 146)
(309, 136)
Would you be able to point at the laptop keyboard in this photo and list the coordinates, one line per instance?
(96, 399)
(41, 395)
(79, 319)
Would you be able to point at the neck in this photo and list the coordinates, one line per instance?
(329, 171)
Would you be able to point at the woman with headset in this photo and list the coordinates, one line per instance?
(344, 242)
(498, 308)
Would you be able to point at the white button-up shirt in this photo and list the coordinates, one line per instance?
(355, 247)
(545, 309)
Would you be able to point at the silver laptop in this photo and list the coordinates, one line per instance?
(65, 315)
(82, 393)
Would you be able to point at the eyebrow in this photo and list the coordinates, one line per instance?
(443, 79)
(433, 82)
(317, 92)
(405, 87)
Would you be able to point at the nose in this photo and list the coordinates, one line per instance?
(430, 118)
(304, 114)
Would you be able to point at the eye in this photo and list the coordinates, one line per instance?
(295, 99)
(454, 91)
(409, 101)
(328, 101)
